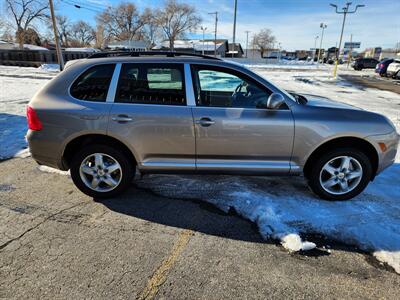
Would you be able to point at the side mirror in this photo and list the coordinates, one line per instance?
(275, 100)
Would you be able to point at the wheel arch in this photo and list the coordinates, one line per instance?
(350, 142)
(78, 142)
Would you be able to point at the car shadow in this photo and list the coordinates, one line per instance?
(12, 135)
(193, 214)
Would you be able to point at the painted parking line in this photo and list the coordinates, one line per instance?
(160, 275)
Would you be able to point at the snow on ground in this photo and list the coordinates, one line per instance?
(282, 207)
(17, 86)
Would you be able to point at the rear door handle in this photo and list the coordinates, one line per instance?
(205, 122)
(122, 119)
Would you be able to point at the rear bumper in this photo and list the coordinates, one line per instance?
(45, 152)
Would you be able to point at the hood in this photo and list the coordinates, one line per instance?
(313, 100)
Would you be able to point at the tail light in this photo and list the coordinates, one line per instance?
(381, 65)
(33, 120)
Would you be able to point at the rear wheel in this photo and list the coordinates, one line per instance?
(101, 171)
(340, 174)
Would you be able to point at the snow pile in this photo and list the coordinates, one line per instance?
(47, 169)
(50, 67)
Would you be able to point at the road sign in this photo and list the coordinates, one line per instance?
(352, 45)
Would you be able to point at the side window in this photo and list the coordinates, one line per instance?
(151, 84)
(93, 84)
(219, 87)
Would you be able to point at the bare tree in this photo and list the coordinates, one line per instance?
(264, 40)
(64, 28)
(176, 19)
(24, 13)
(122, 22)
(5, 29)
(82, 32)
(151, 29)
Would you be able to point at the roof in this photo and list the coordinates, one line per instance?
(82, 50)
(197, 45)
(128, 44)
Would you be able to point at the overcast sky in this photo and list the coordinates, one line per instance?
(295, 23)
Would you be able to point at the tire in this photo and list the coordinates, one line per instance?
(108, 183)
(318, 174)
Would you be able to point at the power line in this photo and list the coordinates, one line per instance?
(80, 6)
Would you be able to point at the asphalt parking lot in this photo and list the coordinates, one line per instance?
(58, 243)
(381, 83)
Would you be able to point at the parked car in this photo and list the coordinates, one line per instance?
(364, 63)
(103, 117)
(393, 69)
(382, 66)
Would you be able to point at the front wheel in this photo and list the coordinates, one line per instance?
(101, 171)
(340, 174)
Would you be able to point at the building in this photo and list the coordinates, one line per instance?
(197, 46)
(128, 45)
(373, 52)
(237, 51)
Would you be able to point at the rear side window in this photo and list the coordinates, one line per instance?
(93, 84)
(151, 84)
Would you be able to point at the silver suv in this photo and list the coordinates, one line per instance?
(107, 115)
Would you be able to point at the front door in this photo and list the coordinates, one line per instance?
(150, 115)
(233, 135)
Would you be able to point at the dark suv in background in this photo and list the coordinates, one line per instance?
(364, 63)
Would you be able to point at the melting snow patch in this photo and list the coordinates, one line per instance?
(52, 170)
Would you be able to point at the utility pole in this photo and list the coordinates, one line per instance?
(344, 12)
(323, 26)
(247, 40)
(58, 46)
(234, 29)
(203, 29)
(351, 50)
(215, 32)
(315, 48)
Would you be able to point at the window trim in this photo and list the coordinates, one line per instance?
(112, 89)
(224, 69)
(81, 73)
(156, 65)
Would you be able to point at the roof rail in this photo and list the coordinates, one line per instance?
(148, 53)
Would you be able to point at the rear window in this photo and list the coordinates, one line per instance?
(151, 84)
(93, 84)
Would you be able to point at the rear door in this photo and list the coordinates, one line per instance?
(151, 116)
(234, 135)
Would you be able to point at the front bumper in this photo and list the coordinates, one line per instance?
(387, 157)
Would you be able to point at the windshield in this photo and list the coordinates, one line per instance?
(283, 91)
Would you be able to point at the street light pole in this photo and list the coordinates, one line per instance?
(247, 40)
(203, 29)
(58, 46)
(315, 48)
(344, 12)
(323, 26)
(234, 29)
(215, 32)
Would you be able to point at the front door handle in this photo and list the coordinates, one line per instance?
(122, 119)
(205, 122)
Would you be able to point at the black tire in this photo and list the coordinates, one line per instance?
(127, 167)
(319, 163)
